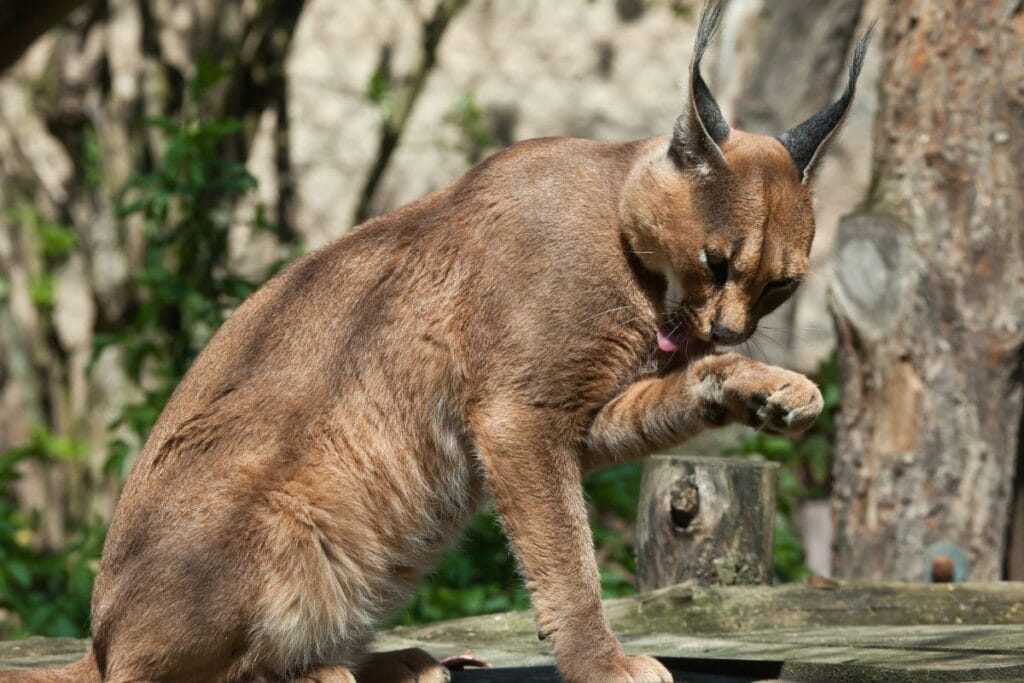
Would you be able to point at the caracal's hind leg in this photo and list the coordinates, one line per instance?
(402, 666)
(327, 674)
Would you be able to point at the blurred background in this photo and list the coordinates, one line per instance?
(159, 159)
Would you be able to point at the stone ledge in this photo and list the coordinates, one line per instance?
(847, 631)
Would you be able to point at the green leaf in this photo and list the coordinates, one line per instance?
(17, 570)
(92, 157)
(777, 448)
(164, 123)
(377, 87)
(41, 290)
(57, 240)
(208, 74)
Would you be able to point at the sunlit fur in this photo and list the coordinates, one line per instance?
(754, 212)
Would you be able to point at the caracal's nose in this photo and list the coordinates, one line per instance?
(720, 334)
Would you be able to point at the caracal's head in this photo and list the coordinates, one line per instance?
(726, 216)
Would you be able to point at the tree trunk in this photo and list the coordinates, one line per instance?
(928, 299)
(802, 49)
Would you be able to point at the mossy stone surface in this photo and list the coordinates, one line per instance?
(847, 632)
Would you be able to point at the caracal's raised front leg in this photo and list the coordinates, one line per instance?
(657, 413)
(534, 477)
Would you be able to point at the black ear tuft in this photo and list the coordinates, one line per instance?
(700, 129)
(807, 142)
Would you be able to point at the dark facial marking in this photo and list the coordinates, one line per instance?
(718, 265)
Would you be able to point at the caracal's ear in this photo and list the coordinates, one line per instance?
(807, 142)
(701, 127)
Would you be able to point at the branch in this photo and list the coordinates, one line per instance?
(22, 21)
(395, 121)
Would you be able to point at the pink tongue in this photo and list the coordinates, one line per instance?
(665, 342)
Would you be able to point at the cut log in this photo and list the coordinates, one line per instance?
(703, 519)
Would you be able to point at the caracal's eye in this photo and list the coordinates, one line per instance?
(717, 264)
(781, 286)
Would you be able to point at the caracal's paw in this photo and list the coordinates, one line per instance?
(622, 669)
(402, 666)
(763, 396)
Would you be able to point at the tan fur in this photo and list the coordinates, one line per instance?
(495, 338)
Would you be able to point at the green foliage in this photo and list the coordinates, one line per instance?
(56, 240)
(378, 87)
(183, 291)
(681, 9)
(48, 591)
(51, 240)
(50, 243)
(613, 494)
(479, 576)
(806, 472)
(185, 286)
(41, 289)
(476, 136)
(185, 205)
(92, 157)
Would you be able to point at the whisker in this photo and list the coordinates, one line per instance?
(751, 351)
(804, 339)
(770, 338)
(809, 328)
(801, 344)
(760, 349)
(626, 322)
(819, 333)
(598, 315)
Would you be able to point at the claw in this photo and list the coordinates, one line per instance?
(460, 662)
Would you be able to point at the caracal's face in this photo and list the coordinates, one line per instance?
(732, 248)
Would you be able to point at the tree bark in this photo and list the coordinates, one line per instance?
(928, 299)
(70, 136)
(802, 48)
(708, 520)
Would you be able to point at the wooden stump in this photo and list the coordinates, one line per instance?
(704, 519)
